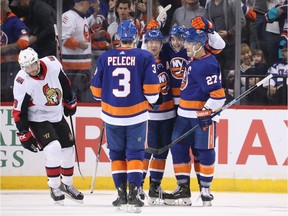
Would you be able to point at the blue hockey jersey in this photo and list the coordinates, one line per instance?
(201, 86)
(125, 81)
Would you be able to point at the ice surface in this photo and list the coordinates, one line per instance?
(39, 203)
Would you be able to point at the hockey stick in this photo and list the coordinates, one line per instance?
(161, 150)
(97, 158)
(58, 42)
(76, 152)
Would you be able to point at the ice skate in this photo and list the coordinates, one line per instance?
(121, 201)
(72, 192)
(180, 197)
(134, 202)
(206, 196)
(57, 196)
(156, 194)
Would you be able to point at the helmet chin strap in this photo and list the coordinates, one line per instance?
(195, 51)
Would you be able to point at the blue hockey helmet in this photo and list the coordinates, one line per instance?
(127, 30)
(193, 35)
(177, 31)
(154, 34)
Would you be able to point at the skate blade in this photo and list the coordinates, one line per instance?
(71, 198)
(207, 203)
(133, 209)
(155, 201)
(122, 208)
(178, 202)
(128, 208)
(59, 202)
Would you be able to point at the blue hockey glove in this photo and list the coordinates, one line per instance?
(70, 107)
(204, 118)
(28, 141)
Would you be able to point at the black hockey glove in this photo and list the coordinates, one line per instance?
(28, 141)
(70, 107)
(155, 106)
(204, 118)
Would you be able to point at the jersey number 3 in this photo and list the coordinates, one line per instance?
(124, 82)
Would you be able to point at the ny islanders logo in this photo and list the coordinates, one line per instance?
(53, 95)
(185, 79)
(177, 67)
(164, 82)
(3, 38)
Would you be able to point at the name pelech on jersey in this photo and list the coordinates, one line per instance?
(201, 85)
(166, 110)
(125, 79)
(44, 92)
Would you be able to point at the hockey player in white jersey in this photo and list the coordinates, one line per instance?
(41, 90)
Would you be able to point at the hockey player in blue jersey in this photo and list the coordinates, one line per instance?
(176, 55)
(126, 81)
(201, 94)
(160, 124)
(176, 58)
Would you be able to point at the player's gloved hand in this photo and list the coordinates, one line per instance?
(70, 106)
(201, 23)
(155, 106)
(271, 15)
(153, 24)
(28, 141)
(204, 118)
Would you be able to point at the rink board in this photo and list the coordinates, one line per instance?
(252, 150)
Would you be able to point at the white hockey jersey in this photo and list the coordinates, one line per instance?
(45, 93)
(75, 28)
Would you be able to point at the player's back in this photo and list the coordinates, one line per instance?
(124, 80)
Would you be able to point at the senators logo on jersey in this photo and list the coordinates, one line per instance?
(164, 82)
(53, 95)
(177, 67)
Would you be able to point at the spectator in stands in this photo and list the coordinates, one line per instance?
(76, 48)
(246, 63)
(259, 26)
(14, 37)
(123, 9)
(189, 10)
(278, 13)
(277, 86)
(259, 62)
(259, 95)
(174, 5)
(40, 18)
(249, 33)
(222, 13)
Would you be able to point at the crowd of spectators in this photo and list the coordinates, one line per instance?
(263, 38)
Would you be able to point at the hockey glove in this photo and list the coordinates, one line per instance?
(155, 106)
(70, 107)
(204, 118)
(201, 23)
(153, 24)
(28, 141)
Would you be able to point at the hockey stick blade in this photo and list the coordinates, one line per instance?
(165, 148)
(161, 14)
